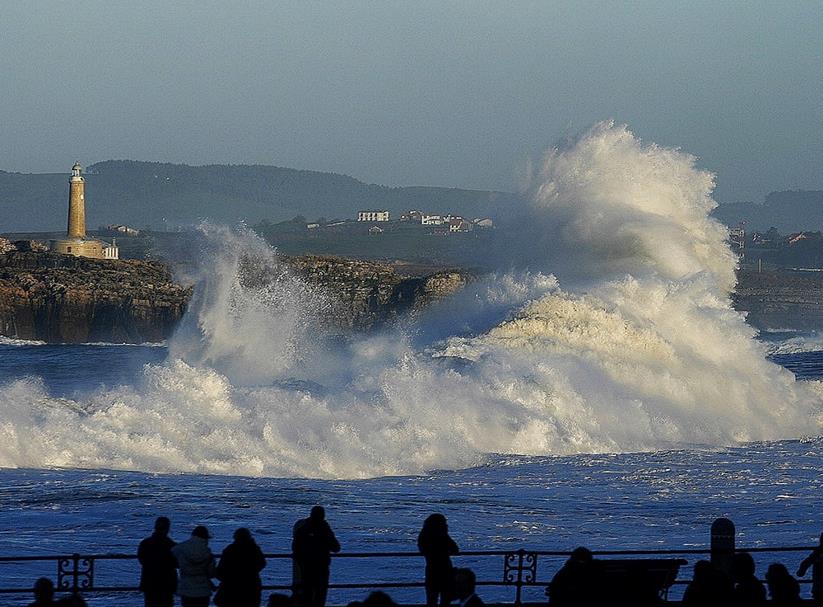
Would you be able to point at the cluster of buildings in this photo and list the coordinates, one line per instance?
(447, 223)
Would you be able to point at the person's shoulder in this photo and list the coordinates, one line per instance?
(475, 601)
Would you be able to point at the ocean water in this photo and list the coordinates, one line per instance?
(663, 499)
(603, 393)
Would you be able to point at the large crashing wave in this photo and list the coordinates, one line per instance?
(635, 348)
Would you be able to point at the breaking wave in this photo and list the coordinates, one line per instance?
(630, 343)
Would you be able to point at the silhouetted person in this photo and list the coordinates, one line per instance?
(312, 546)
(379, 598)
(196, 564)
(783, 588)
(464, 584)
(709, 587)
(44, 596)
(815, 561)
(158, 577)
(748, 590)
(577, 582)
(43, 593)
(239, 572)
(437, 546)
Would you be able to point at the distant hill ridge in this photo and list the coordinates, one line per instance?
(788, 211)
(161, 195)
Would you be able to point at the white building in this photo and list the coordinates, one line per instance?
(431, 220)
(458, 224)
(111, 250)
(373, 216)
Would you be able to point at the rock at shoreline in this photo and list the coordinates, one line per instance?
(370, 294)
(61, 298)
(64, 299)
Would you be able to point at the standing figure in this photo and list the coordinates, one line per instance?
(312, 546)
(815, 561)
(196, 564)
(239, 572)
(437, 546)
(158, 577)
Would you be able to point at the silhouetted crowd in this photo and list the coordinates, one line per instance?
(188, 570)
(583, 580)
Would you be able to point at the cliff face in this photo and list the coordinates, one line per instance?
(780, 300)
(60, 298)
(370, 294)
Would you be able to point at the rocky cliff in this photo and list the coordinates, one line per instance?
(60, 298)
(370, 294)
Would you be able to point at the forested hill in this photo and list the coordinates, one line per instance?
(164, 195)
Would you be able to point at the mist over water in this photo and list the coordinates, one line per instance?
(616, 335)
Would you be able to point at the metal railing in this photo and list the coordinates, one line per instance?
(81, 573)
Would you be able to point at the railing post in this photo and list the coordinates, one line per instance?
(75, 573)
(722, 545)
(519, 568)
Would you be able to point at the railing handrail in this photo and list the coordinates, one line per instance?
(415, 553)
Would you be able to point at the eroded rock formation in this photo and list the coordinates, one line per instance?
(60, 298)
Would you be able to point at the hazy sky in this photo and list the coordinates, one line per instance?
(437, 93)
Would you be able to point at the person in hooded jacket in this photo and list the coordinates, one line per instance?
(239, 572)
(437, 546)
(196, 564)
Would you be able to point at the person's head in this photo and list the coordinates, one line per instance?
(581, 556)
(435, 522)
(201, 532)
(318, 513)
(43, 590)
(742, 566)
(278, 599)
(243, 536)
(777, 575)
(379, 599)
(162, 525)
(464, 582)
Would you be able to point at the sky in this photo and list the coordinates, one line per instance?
(458, 93)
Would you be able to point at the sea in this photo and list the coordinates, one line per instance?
(603, 394)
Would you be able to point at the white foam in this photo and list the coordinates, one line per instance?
(636, 348)
(11, 341)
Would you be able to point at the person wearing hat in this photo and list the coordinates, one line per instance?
(197, 567)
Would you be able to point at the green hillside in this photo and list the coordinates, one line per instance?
(158, 195)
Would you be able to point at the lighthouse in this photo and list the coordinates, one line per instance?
(75, 243)
(77, 203)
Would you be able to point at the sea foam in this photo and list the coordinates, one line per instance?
(619, 335)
